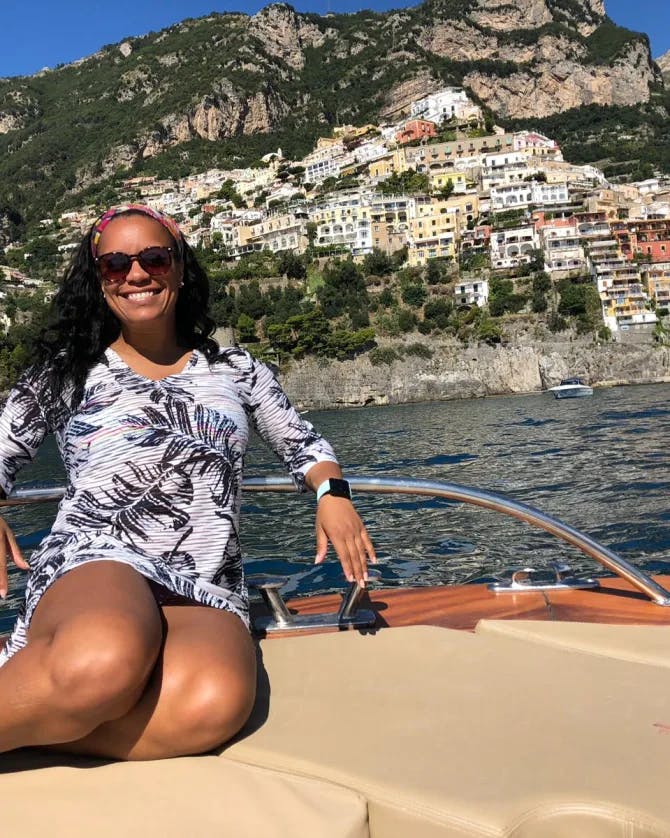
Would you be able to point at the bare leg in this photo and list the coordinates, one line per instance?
(200, 694)
(92, 645)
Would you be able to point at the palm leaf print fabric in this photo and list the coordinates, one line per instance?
(154, 472)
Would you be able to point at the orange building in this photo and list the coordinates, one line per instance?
(415, 129)
(652, 238)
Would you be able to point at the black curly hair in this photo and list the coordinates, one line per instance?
(81, 325)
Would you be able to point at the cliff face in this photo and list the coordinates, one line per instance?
(226, 76)
(455, 372)
(557, 79)
(664, 64)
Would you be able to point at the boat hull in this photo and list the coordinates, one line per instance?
(573, 392)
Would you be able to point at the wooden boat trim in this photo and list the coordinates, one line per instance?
(463, 606)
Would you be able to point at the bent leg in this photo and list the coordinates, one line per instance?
(92, 644)
(199, 696)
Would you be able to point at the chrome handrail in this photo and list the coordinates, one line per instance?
(452, 491)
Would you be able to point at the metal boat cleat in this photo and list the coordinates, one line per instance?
(281, 619)
(557, 577)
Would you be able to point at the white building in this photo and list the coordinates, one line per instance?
(227, 226)
(528, 193)
(537, 145)
(503, 169)
(563, 250)
(368, 151)
(449, 103)
(510, 248)
(472, 292)
(321, 170)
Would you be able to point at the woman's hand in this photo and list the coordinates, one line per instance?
(338, 522)
(8, 547)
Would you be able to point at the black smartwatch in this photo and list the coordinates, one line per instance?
(334, 486)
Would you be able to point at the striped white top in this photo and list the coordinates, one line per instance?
(154, 472)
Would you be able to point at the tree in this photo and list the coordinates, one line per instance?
(437, 312)
(407, 320)
(409, 182)
(291, 265)
(541, 284)
(250, 300)
(311, 230)
(434, 272)
(502, 297)
(447, 190)
(344, 291)
(246, 328)
(414, 295)
(377, 263)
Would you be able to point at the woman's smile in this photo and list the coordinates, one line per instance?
(141, 296)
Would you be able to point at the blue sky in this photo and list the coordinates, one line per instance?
(43, 33)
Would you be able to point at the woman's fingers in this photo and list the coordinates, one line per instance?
(339, 523)
(8, 547)
(3, 565)
(15, 550)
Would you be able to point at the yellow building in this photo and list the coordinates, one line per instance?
(657, 281)
(381, 168)
(439, 180)
(436, 226)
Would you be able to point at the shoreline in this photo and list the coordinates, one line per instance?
(466, 372)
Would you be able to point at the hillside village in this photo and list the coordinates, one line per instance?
(443, 183)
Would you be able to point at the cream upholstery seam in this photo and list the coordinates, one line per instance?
(565, 646)
(376, 795)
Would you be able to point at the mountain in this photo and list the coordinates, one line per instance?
(664, 64)
(225, 89)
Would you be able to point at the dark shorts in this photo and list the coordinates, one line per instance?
(164, 596)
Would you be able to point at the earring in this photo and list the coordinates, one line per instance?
(181, 284)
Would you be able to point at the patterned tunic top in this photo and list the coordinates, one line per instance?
(154, 472)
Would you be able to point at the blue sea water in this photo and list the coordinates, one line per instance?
(601, 464)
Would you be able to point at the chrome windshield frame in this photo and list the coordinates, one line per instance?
(451, 491)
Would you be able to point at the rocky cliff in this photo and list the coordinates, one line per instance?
(194, 88)
(455, 372)
(664, 64)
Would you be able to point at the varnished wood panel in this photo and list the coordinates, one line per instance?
(615, 602)
(462, 607)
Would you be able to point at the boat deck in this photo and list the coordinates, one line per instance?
(463, 606)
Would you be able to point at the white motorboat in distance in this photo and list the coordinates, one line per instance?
(571, 388)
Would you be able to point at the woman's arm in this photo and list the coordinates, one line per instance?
(8, 547)
(338, 522)
(310, 460)
(22, 430)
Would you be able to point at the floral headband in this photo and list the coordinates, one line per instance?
(169, 223)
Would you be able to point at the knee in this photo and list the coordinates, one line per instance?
(101, 672)
(212, 707)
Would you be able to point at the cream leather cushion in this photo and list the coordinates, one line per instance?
(641, 644)
(194, 797)
(453, 734)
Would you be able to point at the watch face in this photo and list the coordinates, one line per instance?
(339, 488)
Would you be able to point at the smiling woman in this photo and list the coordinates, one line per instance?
(152, 421)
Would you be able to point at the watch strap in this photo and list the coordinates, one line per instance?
(335, 486)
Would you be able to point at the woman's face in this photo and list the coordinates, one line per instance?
(140, 299)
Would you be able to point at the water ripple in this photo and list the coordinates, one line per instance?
(599, 464)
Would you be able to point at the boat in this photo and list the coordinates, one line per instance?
(571, 388)
(535, 705)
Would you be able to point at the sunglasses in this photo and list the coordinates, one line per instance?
(115, 267)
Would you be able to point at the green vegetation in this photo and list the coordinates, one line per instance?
(407, 183)
(28, 312)
(579, 299)
(630, 142)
